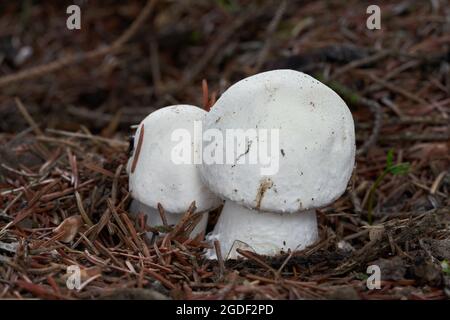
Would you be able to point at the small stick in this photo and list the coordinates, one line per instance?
(111, 142)
(54, 285)
(115, 184)
(396, 89)
(11, 203)
(28, 117)
(84, 284)
(93, 167)
(160, 278)
(285, 262)
(205, 95)
(360, 62)
(138, 149)
(219, 258)
(213, 99)
(74, 168)
(162, 213)
(81, 209)
(437, 182)
(179, 226)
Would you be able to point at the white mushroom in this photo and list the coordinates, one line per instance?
(156, 176)
(270, 206)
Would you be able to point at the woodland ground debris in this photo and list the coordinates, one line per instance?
(63, 146)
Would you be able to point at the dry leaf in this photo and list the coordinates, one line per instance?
(68, 229)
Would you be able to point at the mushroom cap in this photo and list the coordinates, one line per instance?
(157, 178)
(316, 151)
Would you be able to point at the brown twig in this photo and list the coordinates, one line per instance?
(28, 117)
(219, 258)
(137, 152)
(162, 214)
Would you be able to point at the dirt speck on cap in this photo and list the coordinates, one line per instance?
(265, 184)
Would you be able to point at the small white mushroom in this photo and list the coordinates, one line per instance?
(156, 177)
(312, 160)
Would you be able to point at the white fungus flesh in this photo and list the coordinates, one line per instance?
(309, 167)
(239, 227)
(158, 177)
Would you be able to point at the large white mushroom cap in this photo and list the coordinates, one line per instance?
(157, 178)
(316, 151)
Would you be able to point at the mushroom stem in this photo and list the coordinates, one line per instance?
(262, 232)
(154, 218)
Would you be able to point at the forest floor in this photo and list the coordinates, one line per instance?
(69, 97)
